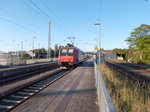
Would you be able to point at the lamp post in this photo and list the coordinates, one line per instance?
(18, 53)
(21, 49)
(99, 40)
(38, 50)
(33, 47)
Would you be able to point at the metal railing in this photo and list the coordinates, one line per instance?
(104, 99)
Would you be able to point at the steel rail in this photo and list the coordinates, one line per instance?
(27, 91)
(130, 73)
(26, 74)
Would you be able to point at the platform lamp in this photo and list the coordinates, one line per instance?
(99, 40)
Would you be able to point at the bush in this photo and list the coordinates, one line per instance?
(127, 96)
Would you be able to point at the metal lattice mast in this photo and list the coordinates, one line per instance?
(49, 41)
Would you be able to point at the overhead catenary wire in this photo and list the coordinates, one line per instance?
(55, 15)
(30, 7)
(26, 4)
(2, 18)
(16, 17)
(100, 4)
(46, 14)
(50, 10)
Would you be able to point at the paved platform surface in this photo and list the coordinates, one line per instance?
(76, 92)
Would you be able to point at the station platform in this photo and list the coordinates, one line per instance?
(75, 92)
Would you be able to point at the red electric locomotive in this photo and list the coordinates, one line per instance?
(70, 56)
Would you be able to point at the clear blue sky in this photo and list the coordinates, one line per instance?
(21, 20)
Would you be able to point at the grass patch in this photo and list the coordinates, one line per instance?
(127, 96)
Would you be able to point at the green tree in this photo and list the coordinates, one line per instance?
(25, 55)
(56, 50)
(41, 50)
(52, 52)
(120, 51)
(139, 42)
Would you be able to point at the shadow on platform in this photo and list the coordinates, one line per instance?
(86, 64)
(70, 92)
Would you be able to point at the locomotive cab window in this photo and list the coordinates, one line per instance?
(66, 52)
(70, 52)
(63, 52)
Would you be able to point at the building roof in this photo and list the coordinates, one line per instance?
(109, 52)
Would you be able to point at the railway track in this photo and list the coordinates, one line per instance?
(133, 72)
(14, 98)
(28, 74)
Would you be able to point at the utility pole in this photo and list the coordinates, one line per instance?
(99, 40)
(18, 53)
(38, 50)
(49, 41)
(21, 48)
(33, 47)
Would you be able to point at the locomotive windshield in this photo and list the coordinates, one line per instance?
(66, 52)
(70, 51)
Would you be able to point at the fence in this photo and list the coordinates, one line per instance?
(16, 61)
(104, 100)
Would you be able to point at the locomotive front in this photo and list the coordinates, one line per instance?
(66, 56)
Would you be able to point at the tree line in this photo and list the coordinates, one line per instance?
(138, 45)
(54, 52)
